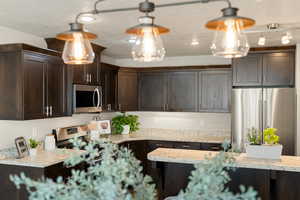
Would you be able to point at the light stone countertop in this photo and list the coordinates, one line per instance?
(43, 158)
(137, 136)
(287, 163)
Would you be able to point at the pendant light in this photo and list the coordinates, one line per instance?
(229, 40)
(78, 49)
(148, 46)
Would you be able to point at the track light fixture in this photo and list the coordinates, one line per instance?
(230, 41)
(261, 41)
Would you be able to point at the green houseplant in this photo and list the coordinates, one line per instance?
(119, 177)
(270, 149)
(122, 122)
(33, 144)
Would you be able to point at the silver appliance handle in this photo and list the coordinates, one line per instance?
(101, 97)
(95, 90)
(47, 111)
(51, 109)
(98, 95)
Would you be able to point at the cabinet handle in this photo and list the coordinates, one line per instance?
(51, 109)
(90, 78)
(87, 78)
(47, 111)
(109, 107)
(120, 106)
(186, 146)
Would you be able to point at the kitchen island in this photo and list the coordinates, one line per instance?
(273, 179)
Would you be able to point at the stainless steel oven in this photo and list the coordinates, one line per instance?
(87, 99)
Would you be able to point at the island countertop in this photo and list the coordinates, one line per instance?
(43, 158)
(286, 163)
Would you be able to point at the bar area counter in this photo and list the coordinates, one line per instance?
(272, 179)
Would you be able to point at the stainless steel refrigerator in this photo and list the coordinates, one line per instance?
(263, 108)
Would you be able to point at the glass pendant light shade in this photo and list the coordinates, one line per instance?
(148, 46)
(229, 40)
(78, 49)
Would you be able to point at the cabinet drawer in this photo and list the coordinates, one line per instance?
(187, 145)
(160, 144)
(211, 146)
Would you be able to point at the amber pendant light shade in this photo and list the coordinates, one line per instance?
(78, 49)
(230, 41)
(148, 46)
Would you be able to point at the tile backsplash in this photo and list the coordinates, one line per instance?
(179, 123)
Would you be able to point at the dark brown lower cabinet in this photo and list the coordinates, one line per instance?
(9, 191)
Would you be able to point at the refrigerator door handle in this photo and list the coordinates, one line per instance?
(260, 115)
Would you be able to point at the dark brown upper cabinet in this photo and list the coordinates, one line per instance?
(279, 69)
(108, 77)
(82, 74)
(127, 91)
(247, 71)
(265, 68)
(214, 90)
(87, 74)
(152, 91)
(185, 91)
(182, 92)
(32, 83)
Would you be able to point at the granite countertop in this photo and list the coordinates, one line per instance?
(43, 158)
(137, 136)
(286, 163)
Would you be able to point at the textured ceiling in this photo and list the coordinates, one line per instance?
(46, 18)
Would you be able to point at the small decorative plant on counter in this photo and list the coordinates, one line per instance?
(254, 136)
(125, 124)
(33, 144)
(118, 176)
(271, 149)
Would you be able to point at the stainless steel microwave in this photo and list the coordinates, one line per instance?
(87, 99)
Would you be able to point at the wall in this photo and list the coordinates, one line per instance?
(8, 36)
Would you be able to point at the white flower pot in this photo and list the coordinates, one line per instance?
(264, 151)
(32, 152)
(126, 129)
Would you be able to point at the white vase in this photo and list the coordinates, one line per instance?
(32, 152)
(126, 129)
(264, 151)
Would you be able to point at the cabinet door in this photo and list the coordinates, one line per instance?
(34, 86)
(79, 74)
(278, 69)
(215, 91)
(92, 72)
(182, 91)
(258, 179)
(127, 91)
(247, 71)
(152, 91)
(108, 83)
(287, 185)
(55, 86)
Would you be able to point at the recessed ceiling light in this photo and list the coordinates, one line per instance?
(261, 41)
(86, 18)
(195, 43)
(286, 39)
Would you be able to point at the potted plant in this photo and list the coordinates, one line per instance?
(33, 144)
(125, 124)
(271, 149)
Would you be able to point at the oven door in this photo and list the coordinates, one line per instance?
(87, 99)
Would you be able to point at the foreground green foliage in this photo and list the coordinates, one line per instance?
(119, 177)
(119, 121)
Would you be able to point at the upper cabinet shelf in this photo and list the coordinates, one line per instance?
(273, 68)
